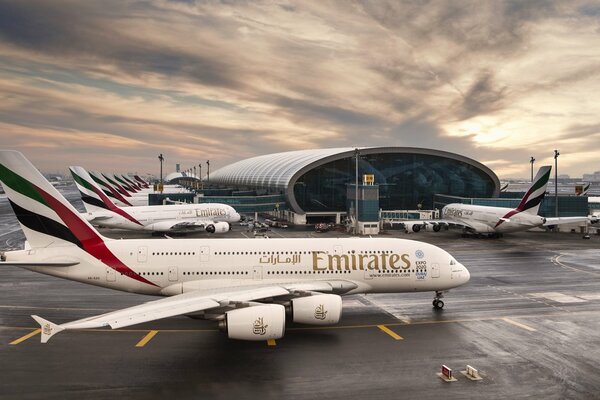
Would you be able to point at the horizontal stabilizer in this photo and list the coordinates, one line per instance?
(49, 329)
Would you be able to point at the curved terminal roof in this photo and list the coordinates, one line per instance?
(272, 171)
(279, 171)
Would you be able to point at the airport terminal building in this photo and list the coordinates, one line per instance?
(314, 183)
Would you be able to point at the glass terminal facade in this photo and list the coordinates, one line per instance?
(405, 181)
(316, 180)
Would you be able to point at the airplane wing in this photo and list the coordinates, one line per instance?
(193, 302)
(569, 220)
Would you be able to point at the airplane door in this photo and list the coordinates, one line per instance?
(173, 276)
(204, 253)
(142, 254)
(257, 273)
(435, 270)
(111, 275)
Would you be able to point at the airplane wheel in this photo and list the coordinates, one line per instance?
(416, 228)
(438, 304)
(436, 228)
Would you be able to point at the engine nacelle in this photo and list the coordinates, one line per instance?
(255, 322)
(320, 309)
(218, 227)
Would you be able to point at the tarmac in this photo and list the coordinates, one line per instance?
(528, 321)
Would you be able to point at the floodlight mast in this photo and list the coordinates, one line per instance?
(556, 154)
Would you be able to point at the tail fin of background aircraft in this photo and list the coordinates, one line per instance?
(91, 194)
(132, 183)
(46, 217)
(141, 181)
(530, 203)
(121, 181)
(93, 197)
(108, 188)
(116, 185)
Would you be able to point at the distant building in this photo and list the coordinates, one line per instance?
(315, 181)
(595, 177)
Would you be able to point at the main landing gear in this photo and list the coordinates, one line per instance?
(438, 304)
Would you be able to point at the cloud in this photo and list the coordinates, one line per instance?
(490, 80)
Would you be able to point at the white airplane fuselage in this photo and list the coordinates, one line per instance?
(181, 265)
(486, 219)
(153, 218)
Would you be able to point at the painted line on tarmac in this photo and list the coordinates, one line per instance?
(271, 342)
(520, 325)
(146, 339)
(556, 261)
(365, 326)
(24, 338)
(390, 332)
(9, 232)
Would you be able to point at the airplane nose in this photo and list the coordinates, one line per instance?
(465, 274)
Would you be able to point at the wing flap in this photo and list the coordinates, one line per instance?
(565, 220)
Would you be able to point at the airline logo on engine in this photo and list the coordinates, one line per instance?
(259, 327)
(320, 312)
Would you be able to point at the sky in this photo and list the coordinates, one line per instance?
(111, 84)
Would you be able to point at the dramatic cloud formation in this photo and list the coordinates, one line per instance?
(110, 85)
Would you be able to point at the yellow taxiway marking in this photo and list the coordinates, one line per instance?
(146, 339)
(24, 338)
(515, 323)
(390, 332)
(271, 342)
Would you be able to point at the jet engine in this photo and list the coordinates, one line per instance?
(218, 227)
(320, 309)
(255, 323)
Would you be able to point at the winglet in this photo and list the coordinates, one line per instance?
(49, 329)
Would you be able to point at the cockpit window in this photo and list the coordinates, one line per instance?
(452, 262)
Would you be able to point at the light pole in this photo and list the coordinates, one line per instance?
(356, 155)
(556, 154)
(200, 174)
(532, 161)
(208, 171)
(161, 159)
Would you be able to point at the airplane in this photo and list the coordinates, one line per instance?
(101, 211)
(497, 220)
(247, 286)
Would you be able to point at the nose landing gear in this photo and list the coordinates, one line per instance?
(438, 304)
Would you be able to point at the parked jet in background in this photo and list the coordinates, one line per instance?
(209, 217)
(246, 285)
(497, 220)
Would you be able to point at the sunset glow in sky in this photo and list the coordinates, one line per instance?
(109, 85)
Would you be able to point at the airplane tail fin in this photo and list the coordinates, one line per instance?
(48, 328)
(132, 182)
(46, 217)
(92, 195)
(141, 181)
(121, 181)
(107, 188)
(116, 185)
(530, 203)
